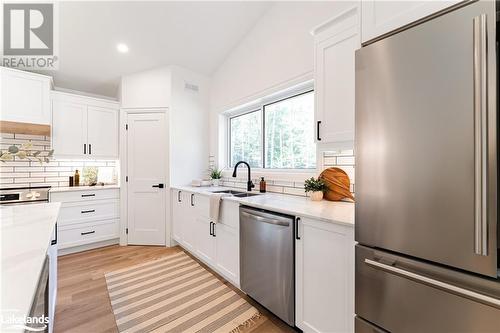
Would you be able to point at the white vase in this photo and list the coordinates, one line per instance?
(317, 196)
(216, 182)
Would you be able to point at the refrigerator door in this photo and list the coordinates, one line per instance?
(404, 295)
(426, 149)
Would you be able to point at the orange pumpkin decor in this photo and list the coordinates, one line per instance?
(338, 184)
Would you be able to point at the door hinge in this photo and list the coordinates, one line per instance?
(126, 126)
(126, 231)
(126, 178)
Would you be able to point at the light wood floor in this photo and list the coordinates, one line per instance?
(82, 298)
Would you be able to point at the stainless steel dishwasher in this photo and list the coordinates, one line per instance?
(267, 260)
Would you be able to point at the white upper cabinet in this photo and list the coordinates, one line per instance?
(102, 131)
(24, 96)
(84, 127)
(380, 17)
(335, 44)
(69, 123)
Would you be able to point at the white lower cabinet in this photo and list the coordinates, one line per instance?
(324, 277)
(87, 217)
(217, 245)
(205, 239)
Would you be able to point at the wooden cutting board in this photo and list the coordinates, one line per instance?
(338, 184)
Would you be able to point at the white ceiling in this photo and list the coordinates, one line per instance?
(195, 35)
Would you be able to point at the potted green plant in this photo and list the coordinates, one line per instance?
(216, 176)
(317, 187)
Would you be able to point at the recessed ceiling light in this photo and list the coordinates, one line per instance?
(122, 48)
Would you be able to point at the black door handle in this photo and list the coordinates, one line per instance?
(213, 229)
(90, 149)
(192, 199)
(159, 185)
(84, 148)
(211, 233)
(317, 130)
(179, 196)
(297, 220)
(87, 233)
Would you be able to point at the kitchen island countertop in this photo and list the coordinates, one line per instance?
(26, 232)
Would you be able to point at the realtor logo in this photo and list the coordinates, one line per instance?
(28, 29)
(29, 32)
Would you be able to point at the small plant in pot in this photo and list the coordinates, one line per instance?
(317, 187)
(216, 176)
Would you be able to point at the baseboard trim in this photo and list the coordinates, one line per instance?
(87, 247)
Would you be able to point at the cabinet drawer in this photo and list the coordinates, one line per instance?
(86, 233)
(85, 195)
(74, 212)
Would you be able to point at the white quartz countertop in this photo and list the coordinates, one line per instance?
(339, 212)
(26, 232)
(83, 188)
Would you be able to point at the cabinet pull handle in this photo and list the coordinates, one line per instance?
(179, 196)
(297, 220)
(88, 211)
(88, 195)
(85, 148)
(90, 149)
(159, 186)
(192, 199)
(211, 233)
(213, 229)
(317, 130)
(87, 233)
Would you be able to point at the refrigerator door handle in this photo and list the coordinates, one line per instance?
(435, 283)
(480, 63)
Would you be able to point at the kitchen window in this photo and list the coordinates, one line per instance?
(277, 134)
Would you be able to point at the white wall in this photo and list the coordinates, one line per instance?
(188, 127)
(188, 113)
(146, 89)
(276, 53)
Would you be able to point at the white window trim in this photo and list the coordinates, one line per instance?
(258, 105)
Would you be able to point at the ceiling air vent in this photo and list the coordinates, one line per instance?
(192, 87)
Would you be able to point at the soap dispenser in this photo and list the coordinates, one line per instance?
(262, 185)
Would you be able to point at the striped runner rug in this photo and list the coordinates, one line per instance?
(175, 294)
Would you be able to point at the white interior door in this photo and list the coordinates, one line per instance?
(147, 153)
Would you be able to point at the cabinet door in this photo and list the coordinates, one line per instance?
(25, 97)
(324, 273)
(177, 215)
(334, 86)
(69, 129)
(102, 129)
(228, 252)
(381, 17)
(189, 222)
(205, 241)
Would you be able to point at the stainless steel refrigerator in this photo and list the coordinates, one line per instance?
(426, 176)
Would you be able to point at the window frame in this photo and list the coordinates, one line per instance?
(260, 107)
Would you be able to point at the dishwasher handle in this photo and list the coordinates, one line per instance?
(266, 220)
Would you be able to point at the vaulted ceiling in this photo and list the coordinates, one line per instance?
(195, 35)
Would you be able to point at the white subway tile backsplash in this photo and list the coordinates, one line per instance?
(294, 191)
(13, 175)
(29, 180)
(329, 160)
(23, 173)
(345, 160)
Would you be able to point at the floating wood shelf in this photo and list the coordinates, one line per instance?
(24, 128)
